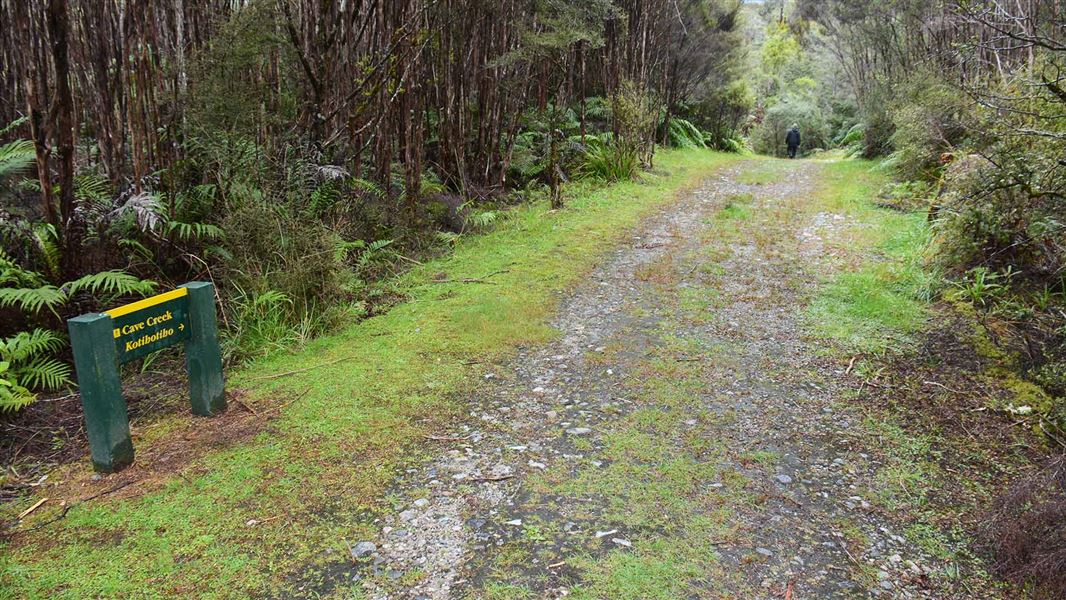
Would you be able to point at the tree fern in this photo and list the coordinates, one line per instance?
(683, 134)
(431, 184)
(325, 197)
(449, 237)
(146, 211)
(369, 187)
(480, 219)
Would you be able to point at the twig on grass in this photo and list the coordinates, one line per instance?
(246, 407)
(851, 365)
(254, 522)
(36, 505)
(471, 279)
(304, 370)
(941, 385)
(68, 507)
(463, 280)
(410, 260)
(302, 394)
(844, 546)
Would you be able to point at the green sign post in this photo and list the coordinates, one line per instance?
(103, 341)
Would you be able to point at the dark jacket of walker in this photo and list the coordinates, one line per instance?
(793, 138)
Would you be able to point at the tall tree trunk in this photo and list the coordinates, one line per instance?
(58, 32)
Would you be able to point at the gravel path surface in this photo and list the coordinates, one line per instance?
(680, 439)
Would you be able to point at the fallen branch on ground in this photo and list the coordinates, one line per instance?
(297, 371)
(445, 438)
(471, 279)
(942, 386)
(246, 407)
(68, 507)
(36, 505)
(493, 478)
(302, 394)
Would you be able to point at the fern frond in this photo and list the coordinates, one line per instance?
(45, 373)
(113, 282)
(92, 188)
(15, 157)
(27, 344)
(449, 237)
(430, 186)
(14, 397)
(47, 241)
(13, 273)
(365, 185)
(193, 231)
(481, 219)
(218, 251)
(271, 298)
(32, 300)
(325, 196)
(146, 210)
(12, 125)
(136, 248)
(378, 245)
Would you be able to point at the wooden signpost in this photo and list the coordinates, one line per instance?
(103, 341)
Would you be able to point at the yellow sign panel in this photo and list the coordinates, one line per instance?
(126, 309)
(151, 324)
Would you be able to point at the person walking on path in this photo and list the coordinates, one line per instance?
(792, 139)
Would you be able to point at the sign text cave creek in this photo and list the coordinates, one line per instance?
(160, 322)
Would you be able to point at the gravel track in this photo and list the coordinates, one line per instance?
(516, 505)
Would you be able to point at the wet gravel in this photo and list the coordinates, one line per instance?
(812, 533)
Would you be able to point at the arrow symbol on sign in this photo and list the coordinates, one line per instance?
(181, 327)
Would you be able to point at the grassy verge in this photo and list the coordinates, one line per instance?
(876, 305)
(250, 517)
(933, 475)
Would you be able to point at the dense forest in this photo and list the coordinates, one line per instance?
(301, 153)
(295, 153)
